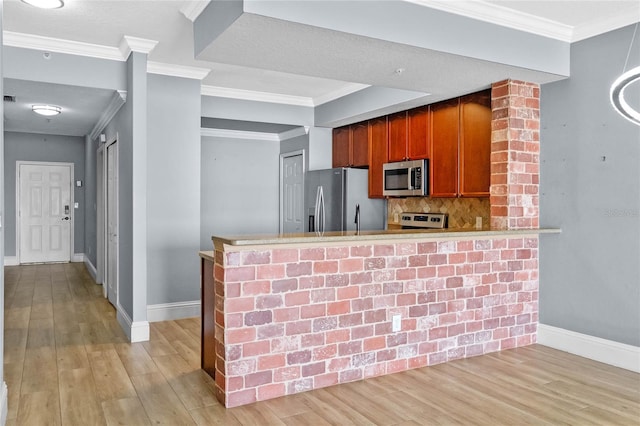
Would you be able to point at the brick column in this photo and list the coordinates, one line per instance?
(515, 154)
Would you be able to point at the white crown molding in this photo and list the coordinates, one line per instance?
(191, 10)
(503, 16)
(118, 99)
(239, 134)
(177, 70)
(251, 95)
(343, 91)
(293, 133)
(622, 19)
(48, 44)
(130, 44)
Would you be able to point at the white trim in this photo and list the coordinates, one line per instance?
(192, 9)
(50, 44)
(602, 350)
(622, 19)
(4, 404)
(173, 311)
(136, 331)
(336, 94)
(293, 133)
(118, 99)
(11, 261)
(77, 257)
(91, 269)
(252, 95)
(130, 44)
(503, 16)
(177, 70)
(238, 134)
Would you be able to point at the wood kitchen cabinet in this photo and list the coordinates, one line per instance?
(443, 164)
(378, 138)
(398, 133)
(475, 144)
(461, 146)
(408, 135)
(351, 146)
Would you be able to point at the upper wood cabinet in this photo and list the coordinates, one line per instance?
(378, 137)
(443, 164)
(398, 136)
(460, 164)
(475, 144)
(418, 136)
(351, 146)
(408, 135)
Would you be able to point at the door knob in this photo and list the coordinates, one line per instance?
(65, 218)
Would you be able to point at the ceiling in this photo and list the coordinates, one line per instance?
(104, 23)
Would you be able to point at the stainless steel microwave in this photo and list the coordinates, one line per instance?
(406, 179)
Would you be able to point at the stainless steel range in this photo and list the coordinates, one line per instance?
(424, 220)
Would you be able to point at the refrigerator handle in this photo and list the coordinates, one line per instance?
(319, 213)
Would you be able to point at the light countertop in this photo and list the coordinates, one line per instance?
(391, 235)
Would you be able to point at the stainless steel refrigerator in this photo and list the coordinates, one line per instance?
(331, 197)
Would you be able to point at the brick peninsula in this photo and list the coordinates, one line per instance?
(283, 314)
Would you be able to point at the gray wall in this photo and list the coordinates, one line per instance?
(37, 147)
(173, 189)
(90, 208)
(590, 187)
(240, 188)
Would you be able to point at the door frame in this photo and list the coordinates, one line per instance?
(102, 238)
(72, 209)
(281, 189)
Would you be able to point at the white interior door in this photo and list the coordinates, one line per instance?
(112, 224)
(45, 212)
(292, 204)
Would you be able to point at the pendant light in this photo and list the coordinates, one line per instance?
(616, 94)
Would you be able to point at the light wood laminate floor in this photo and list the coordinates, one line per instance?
(67, 362)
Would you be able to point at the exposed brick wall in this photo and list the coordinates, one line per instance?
(515, 155)
(295, 319)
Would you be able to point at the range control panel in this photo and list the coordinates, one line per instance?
(424, 220)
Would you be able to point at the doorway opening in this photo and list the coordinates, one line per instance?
(292, 169)
(107, 218)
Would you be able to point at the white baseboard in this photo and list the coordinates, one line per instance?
(92, 269)
(136, 331)
(11, 261)
(77, 257)
(602, 350)
(172, 311)
(4, 405)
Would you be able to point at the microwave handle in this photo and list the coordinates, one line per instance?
(410, 178)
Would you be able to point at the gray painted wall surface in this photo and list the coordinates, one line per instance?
(74, 70)
(264, 112)
(173, 189)
(37, 147)
(240, 188)
(2, 211)
(90, 208)
(590, 187)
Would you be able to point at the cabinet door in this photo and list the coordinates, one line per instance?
(418, 139)
(377, 155)
(475, 144)
(360, 145)
(443, 164)
(341, 147)
(398, 136)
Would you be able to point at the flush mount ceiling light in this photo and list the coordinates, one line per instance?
(616, 94)
(45, 4)
(46, 110)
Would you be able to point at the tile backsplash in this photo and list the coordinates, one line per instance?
(462, 211)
